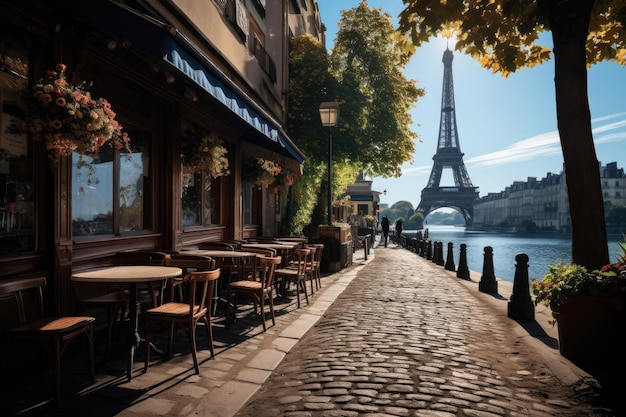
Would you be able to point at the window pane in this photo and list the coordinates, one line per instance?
(92, 194)
(191, 198)
(211, 201)
(134, 181)
(200, 191)
(17, 213)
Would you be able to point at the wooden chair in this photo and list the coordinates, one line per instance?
(317, 262)
(217, 245)
(250, 266)
(113, 302)
(188, 263)
(200, 288)
(309, 267)
(258, 289)
(56, 332)
(231, 267)
(296, 273)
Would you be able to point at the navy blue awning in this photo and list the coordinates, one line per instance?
(361, 197)
(170, 45)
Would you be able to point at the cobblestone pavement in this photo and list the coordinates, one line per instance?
(403, 340)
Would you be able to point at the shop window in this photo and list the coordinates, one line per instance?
(17, 213)
(252, 204)
(204, 160)
(111, 193)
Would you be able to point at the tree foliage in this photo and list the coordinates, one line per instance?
(368, 60)
(503, 35)
(373, 133)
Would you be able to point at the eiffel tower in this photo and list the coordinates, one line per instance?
(460, 197)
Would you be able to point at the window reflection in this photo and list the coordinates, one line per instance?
(200, 191)
(92, 194)
(108, 192)
(17, 213)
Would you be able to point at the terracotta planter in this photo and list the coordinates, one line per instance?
(589, 331)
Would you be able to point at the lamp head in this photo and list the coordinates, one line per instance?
(329, 113)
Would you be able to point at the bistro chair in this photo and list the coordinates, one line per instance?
(188, 263)
(217, 245)
(201, 285)
(55, 332)
(296, 273)
(231, 267)
(257, 289)
(317, 262)
(250, 266)
(309, 267)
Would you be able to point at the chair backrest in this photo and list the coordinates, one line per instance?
(300, 258)
(267, 266)
(263, 251)
(196, 262)
(27, 308)
(201, 287)
(139, 257)
(217, 245)
(319, 250)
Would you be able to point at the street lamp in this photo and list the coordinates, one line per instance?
(329, 113)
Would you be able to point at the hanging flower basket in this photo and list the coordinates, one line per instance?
(261, 171)
(208, 156)
(70, 120)
(285, 178)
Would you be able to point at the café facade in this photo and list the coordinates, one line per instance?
(195, 94)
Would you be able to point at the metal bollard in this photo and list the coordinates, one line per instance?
(450, 258)
(435, 252)
(463, 270)
(488, 281)
(521, 306)
(440, 260)
(429, 250)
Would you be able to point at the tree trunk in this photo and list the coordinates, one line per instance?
(569, 23)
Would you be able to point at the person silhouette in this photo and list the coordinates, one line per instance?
(399, 231)
(384, 224)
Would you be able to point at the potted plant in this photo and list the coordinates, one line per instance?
(589, 307)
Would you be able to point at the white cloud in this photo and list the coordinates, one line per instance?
(547, 144)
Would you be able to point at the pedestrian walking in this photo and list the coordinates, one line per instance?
(384, 224)
(399, 231)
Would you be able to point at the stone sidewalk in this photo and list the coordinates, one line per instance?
(407, 338)
(394, 335)
(245, 357)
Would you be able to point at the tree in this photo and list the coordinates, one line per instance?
(616, 215)
(503, 35)
(374, 122)
(415, 222)
(368, 60)
(309, 84)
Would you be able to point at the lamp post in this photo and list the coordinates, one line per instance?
(329, 113)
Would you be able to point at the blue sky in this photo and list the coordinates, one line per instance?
(507, 126)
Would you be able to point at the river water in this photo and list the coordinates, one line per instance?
(542, 248)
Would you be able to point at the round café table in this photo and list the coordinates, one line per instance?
(131, 275)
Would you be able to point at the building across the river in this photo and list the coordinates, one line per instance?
(542, 203)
